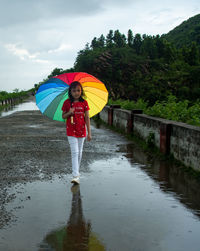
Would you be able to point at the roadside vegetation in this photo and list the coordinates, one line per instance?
(7, 98)
(182, 111)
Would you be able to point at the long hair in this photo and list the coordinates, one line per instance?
(72, 86)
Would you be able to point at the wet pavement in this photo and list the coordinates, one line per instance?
(127, 200)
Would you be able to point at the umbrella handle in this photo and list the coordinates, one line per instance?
(72, 120)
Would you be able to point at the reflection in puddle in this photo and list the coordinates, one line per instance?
(77, 234)
(169, 177)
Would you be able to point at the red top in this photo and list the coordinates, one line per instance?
(77, 128)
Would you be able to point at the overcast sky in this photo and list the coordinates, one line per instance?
(37, 36)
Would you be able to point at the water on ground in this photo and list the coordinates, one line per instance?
(127, 199)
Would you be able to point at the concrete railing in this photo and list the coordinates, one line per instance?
(10, 101)
(179, 139)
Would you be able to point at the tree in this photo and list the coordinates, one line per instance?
(148, 47)
(56, 72)
(16, 90)
(87, 47)
(119, 39)
(101, 41)
(137, 42)
(193, 57)
(169, 51)
(94, 43)
(130, 38)
(109, 39)
(160, 46)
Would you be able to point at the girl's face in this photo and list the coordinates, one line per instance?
(76, 92)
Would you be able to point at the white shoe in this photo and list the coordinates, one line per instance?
(75, 180)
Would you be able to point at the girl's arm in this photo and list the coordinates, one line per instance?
(65, 115)
(87, 122)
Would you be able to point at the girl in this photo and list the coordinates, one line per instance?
(76, 111)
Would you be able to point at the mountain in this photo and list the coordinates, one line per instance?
(186, 33)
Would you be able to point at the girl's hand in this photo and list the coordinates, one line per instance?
(71, 110)
(65, 114)
(89, 137)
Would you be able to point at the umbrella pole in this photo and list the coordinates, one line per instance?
(72, 118)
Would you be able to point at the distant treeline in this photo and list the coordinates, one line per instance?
(141, 66)
(11, 97)
(147, 67)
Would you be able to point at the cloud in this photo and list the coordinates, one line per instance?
(23, 54)
(15, 12)
(22, 74)
(61, 48)
(38, 36)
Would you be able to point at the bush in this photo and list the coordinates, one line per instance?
(129, 105)
(171, 109)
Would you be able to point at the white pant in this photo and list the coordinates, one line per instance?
(76, 146)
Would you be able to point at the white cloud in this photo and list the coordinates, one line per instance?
(61, 48)
(23, 54)
(41, 61)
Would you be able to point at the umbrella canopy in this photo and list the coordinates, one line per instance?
(52, 94)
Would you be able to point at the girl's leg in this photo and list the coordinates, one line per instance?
(80, 148)
(73, 142)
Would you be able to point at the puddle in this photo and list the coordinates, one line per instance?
(34, 126)
(25, 106)
(127, 200)
(168, 177)
(111, 210)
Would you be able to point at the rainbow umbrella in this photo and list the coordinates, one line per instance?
(52, 94)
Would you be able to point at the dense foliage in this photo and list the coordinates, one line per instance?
(147, 67)
(12, 95)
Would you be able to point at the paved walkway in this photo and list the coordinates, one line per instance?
(127, 200)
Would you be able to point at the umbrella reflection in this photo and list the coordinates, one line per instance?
(77, 235)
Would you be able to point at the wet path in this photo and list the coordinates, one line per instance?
(29, 104)
(126, 201)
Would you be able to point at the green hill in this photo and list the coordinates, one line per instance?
(185, 33)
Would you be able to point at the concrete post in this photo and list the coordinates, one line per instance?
(165, 133)
(110, 113)
(131, 122)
